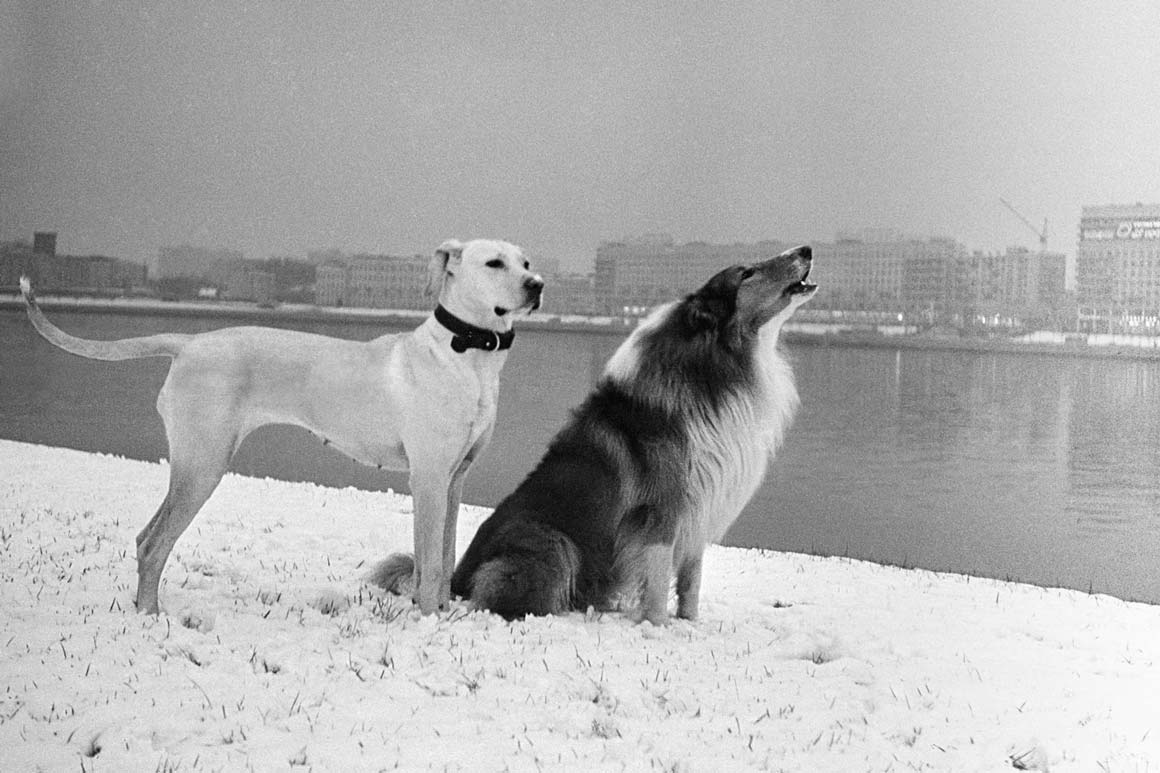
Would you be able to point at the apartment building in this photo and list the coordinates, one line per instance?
(1117, 261)
(65, 273)
(374, 282)
(873, 271)
(635, 274)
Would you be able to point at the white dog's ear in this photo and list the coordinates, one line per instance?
(446, 255)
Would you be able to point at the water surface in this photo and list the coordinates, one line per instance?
(1038, 468)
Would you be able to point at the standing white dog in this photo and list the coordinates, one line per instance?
(422, 401)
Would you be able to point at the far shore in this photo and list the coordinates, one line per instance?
(808, 333)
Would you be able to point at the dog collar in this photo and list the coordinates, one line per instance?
(467, 336)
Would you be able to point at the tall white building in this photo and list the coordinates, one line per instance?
(1117, 260)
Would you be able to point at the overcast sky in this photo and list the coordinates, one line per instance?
(279, 127)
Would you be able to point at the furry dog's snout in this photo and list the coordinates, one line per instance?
(803, 258)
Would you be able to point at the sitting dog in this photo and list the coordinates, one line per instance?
(422, 401)
(656, 463)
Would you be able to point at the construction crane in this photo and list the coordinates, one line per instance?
(1040, 232)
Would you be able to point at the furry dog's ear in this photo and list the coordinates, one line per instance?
(447, 255)
(714, 304)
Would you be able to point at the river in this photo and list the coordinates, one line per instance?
(1038, 468)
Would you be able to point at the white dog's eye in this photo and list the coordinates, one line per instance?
(494, 263)
(527, 265)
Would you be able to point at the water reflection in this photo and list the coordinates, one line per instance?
(1116, 450)
(1040, 468)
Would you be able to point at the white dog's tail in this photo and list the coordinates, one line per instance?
(165, 345)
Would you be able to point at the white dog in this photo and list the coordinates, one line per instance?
(423, 401)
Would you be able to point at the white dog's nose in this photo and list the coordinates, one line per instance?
(534, 287)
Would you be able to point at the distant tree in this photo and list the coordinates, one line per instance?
(293, 279)
(180, 288)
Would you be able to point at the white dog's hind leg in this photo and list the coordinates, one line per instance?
(196, 466)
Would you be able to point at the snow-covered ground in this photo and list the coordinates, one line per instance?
(273, 654)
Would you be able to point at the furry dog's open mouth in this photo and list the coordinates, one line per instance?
(801, 285)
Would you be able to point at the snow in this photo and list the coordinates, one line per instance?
(274, 655)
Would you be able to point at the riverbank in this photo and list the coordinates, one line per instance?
(807, 333)
(274, 654)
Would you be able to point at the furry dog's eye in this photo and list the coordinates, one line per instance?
(527, 265)
(494, 263)
(747, 272)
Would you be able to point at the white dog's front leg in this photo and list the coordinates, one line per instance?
(454, 497)
(430, 502)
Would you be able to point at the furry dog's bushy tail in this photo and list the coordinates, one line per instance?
(530, 568)
(395, 574)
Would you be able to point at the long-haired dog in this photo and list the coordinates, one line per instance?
(422, 401)
(655, 464)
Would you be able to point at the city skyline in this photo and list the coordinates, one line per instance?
(318, 255)
(385, 130)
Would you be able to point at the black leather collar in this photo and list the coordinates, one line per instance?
(468, 336)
